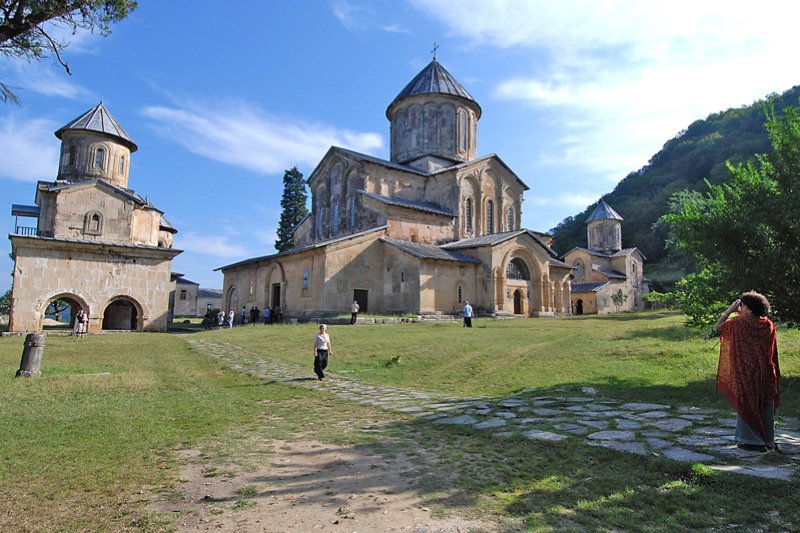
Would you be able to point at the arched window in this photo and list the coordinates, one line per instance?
(305, 278)
(579, 273)
(93, 223)
(100, 158)
(468, 215)
(489, 216)
(462, 130)
(122, 164)
(510, 219)
(335, 219)
(517, 270)
(352, 211)
(72, 156)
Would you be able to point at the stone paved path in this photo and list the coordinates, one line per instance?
(680, 433)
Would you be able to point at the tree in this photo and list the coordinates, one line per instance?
(745, 234)
(618, 298)
(293, 208)
(5, 302)
(23, 30)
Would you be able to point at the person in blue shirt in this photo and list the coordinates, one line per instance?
(467, 315)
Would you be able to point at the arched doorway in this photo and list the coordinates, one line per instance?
(60, 311)
(579, 307)
(517, 302)
(121, 314)
(232, 301)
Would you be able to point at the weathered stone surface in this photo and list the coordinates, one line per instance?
(544, 435)
(784, 473)
(612, 435)
(627, 447)
(465, 420)
(491, 423)
(644, 406)
(682, 454)
(672, 424)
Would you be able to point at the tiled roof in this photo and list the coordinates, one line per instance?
(429, 251)
(376, 160)
(610, 273)
(603, 211)
(496, 238)
(185, 281)
(411, 204)
(434, 79)
(19, 210)
(320, 244)
(557, 263)
(480, 159)
(99, 120)
(128, 193)
(100, 243)
(587, 287)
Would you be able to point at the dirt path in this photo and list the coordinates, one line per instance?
(304, 487)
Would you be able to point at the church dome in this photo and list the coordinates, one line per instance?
(99, 120)
(433, 121)
(433, 79)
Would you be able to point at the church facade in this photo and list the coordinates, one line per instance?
(608, 277)
(96, 244)
(424, 232)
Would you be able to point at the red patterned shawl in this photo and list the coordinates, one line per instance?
(748, 373)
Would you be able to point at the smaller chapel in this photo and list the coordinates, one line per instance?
(96, 244)
(608, 277)
(424, 232)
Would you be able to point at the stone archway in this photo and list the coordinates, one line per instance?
(122, 313)
(59, 311)
(232, 300)
(579, 307)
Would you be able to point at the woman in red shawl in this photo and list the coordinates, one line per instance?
(748, 373)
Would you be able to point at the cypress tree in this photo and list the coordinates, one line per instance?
(293, 208)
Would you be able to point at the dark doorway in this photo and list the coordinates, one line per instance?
(276, 295)
(120, 314)
(579, 307)
(361, 296)
(517, 302)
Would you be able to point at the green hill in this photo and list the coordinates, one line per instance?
(700, 152)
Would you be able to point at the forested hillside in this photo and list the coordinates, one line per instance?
(698, 153)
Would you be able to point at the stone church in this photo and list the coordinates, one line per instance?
(608, 277)
(96, 244)
(424, 232)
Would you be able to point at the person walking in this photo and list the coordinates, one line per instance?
(354, 312)
(748, 373)
(230, 318)
(322, 349)
(267, 318)
(243, 316)
(467, 315)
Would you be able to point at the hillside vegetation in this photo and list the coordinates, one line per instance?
(698, 153)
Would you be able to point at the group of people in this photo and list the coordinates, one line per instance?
(81, 324)
(254, 316)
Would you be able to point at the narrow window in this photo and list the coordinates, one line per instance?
(183, 294)
(468, 214)
(305, 278)
(460, 300)
(510, 219)
(100, 158)
(335, 221)
(93, 223)
(71, 156)
(352, 211)
(122, 164)
(489, 216)
(462, 130)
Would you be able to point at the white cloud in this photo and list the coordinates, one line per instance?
(626, 76)
(214, 245)
(567, 200)
(29, 151)
(248, 137)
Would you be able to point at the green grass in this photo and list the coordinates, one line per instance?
(87, 444)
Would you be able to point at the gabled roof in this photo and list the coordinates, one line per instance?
(599, 253)
(610, 273)
(57, 186)
(434, 79)
(429, 251)
(99, 120)
(368, 159)
(497, 238)
(184, 281)
(603, 211)
(320, 244)
(587, 287)
(494, 157)
(410, 204)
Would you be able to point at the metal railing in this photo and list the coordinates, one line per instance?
(25, 230)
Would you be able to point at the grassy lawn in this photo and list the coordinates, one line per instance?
(84, 446)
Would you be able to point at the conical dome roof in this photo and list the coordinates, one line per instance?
(603, 211)
(434, 79)
(99, 120)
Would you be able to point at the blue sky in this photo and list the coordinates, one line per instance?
(222, 97)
